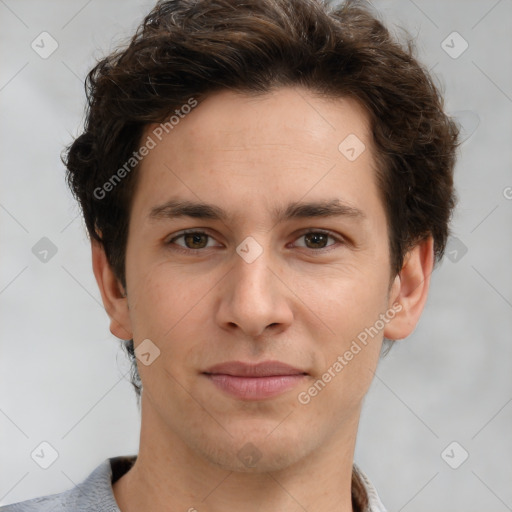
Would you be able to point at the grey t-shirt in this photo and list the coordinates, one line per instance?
(95, 493)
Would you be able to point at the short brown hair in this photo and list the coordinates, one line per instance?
(191, 48)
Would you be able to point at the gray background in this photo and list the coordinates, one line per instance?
(63, 375)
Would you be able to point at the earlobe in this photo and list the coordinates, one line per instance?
(112, 293)
(410, 289)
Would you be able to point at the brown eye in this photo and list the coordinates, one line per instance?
(195, 240)
(191, 241)
(318, 240)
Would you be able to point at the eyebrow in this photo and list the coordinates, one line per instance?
(296, 210)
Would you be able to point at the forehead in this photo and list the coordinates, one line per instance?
(288, 117)
(252, 150)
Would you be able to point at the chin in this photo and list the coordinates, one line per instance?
(245, 453)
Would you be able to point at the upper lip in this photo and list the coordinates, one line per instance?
(263, 369)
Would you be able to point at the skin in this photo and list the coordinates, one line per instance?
(299, 303)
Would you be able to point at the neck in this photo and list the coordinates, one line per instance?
(169, 476)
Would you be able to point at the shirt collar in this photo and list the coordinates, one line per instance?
(110, 470)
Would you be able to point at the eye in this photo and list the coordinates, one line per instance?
(192, 241)
(317, 240)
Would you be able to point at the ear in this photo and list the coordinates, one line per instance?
(112, 293)
(410, 289)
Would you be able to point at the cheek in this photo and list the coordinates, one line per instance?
(347, 356)
(167, 301)
(170, 312)
(350, 309)
(346, 298)
(342, 387)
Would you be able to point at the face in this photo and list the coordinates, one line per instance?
(257, 277)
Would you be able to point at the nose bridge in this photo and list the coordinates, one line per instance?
(255, 298)
(252, 274)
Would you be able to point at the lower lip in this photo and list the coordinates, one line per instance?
(255, 388)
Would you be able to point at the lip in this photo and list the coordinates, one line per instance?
(263, 369)
(254, 381)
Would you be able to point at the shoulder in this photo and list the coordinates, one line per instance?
(54, 502)
(94, 493)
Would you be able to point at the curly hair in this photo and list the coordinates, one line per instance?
(191, 48)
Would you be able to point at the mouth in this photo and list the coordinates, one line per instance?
(254, 381)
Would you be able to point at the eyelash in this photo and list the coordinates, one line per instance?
(184, 250)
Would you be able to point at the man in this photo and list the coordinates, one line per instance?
(267, 186)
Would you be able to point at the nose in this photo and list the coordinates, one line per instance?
(254, 297)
